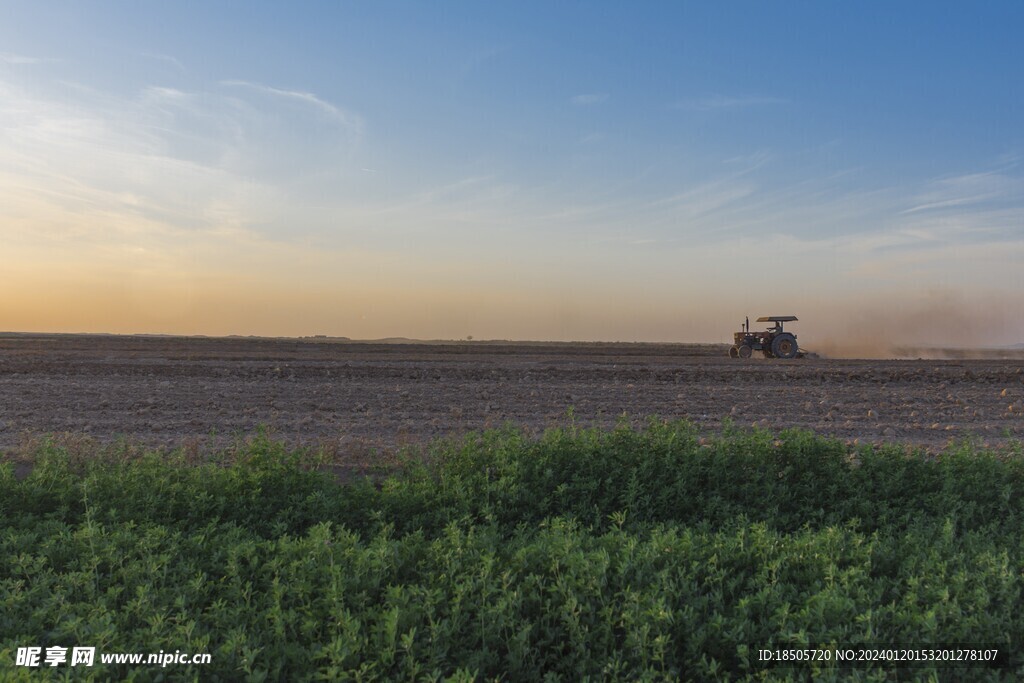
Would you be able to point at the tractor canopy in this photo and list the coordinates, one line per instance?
(776, 319)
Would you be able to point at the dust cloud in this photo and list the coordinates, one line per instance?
(938, 326)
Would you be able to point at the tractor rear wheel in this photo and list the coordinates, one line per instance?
(744, 351)
(784, 346)
(734, 352)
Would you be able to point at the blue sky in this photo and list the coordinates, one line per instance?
(649, 171)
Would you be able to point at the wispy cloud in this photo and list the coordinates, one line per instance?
(589, 99)
(11, 58)
(750, 162)
(162, 162)
(334, 111)
(717, 101)
(967, 189)
(159, 92)
(166, 59)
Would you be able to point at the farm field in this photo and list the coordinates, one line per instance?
(183, 494)
(363, 397)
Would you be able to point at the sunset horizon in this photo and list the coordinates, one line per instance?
(585, 172)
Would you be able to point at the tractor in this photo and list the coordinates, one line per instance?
(773, 342)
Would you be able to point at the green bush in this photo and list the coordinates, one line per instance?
(609, 555)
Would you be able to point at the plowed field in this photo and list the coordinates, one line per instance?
(361, 397)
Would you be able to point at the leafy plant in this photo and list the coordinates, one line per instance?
(627, 554)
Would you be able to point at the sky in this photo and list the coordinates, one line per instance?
(612, 171)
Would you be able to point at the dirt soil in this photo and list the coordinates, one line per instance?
(373, 397)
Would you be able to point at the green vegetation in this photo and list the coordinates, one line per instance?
(612, 555)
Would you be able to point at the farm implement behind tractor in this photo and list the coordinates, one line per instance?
(774, 342)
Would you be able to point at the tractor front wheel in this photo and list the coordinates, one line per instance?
(734, 352)
(744, 351)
